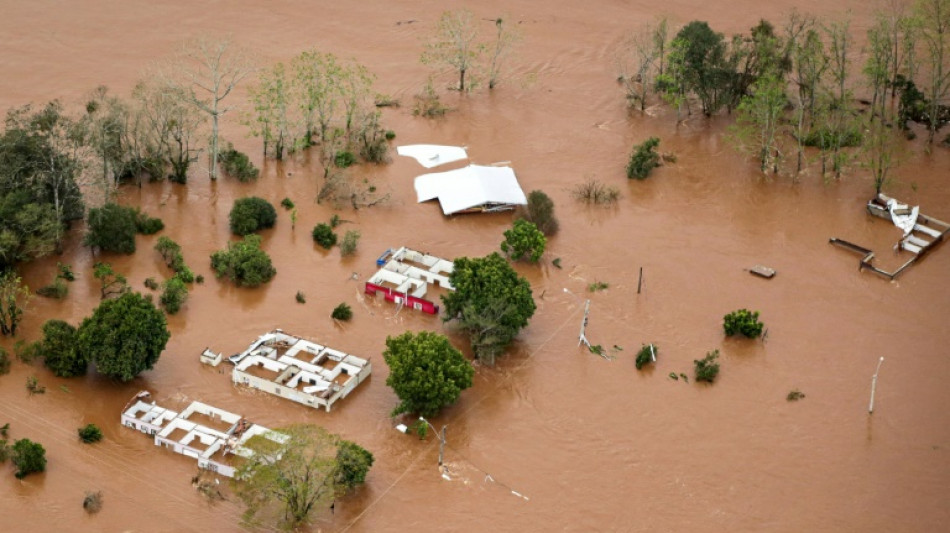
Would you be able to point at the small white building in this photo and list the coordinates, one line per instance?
(213, 437)
(299, 370)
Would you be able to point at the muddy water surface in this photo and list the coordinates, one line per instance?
(593, 445)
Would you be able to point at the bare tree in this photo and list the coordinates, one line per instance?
(638, 62)
(809, 62)
(455, 44)
(171, 124)
(211, 69)
(506, 38)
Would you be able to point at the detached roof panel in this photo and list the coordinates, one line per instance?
(432, 155)
(470, 187)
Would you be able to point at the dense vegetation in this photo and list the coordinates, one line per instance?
(426, 372)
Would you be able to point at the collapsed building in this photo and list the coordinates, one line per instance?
(405, 276)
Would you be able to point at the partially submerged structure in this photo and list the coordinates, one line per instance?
(299, 370)
(405, 275)
(472, 189)
(921, 233)
(433, 155)
(212, 436)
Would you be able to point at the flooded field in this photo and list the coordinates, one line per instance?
(592, 445)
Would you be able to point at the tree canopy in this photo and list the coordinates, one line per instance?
(58, 349)
(28, 457)
(491, 302)
(244, 262)
(124, 336)
(313, 467)
(426, 372)
(251, 214)
(524, 240)
(111, 228)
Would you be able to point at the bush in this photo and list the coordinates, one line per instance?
(428, 103)
(111, 228)
(344, 159)
(199, 279)
(348, 244)
(743, 322)
(65, 271)
(540, 212)
(244, 262)
(151, 284)
(90, 433)
(524, 240)
(707, 368)
(352, 464)
(251, 214)
(147, 225)
(58, 350)
(598, 286)
(237, 165)
(174, 295)
(4, 361)
(645, 355)
(287, 203)
(324, 236)
(92, 502)
(390, 135)
(301, 297)
(826, 139)
(794, 395)
(57, 289)
(28, 457)
(342, 312)
(185, 274)
(34, 387)
(643, 159)
(335, 220)
(595, 192)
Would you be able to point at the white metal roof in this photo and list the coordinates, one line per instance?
(472, 186)
(432, 155)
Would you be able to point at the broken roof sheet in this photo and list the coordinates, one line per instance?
(432, 155)
(471, 187)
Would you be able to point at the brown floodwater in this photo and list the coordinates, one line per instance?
(592, 445)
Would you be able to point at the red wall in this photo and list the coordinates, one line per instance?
(410, 301)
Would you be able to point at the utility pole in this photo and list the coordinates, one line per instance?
(874, 385)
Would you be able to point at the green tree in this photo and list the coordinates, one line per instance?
(58, 349)
(28, 457)
(124, 336)
(352, 464)
(707, 368)
(491, 302)
(759, 120)
(14, 296)
(426, 372)
(244, 262)
(284, 482)
(111, 284)
(454, 44)
(524, 240)
(170, 252)
(324, 236)
(316, 81)
(272, 119)
(111, 228)
(251, 214)
(934, 20)
(174, 295)
(643, 159)
(90, 433)
(540, 212)
(742, 321)
(809, 63)
(703, 65)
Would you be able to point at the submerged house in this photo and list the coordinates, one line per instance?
(214, 437)
(405, 277)
(299, 370)
(472, 189)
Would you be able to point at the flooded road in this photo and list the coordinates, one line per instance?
(592, 445)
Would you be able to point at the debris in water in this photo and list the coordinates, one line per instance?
(674, 376)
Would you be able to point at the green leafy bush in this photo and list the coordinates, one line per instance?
(524, 240)
(426, 372)
(111, 228)
(344, 159)
(251, 214)
(65, 271)
(324, 236)
(301, 297)
(645, 355)
(390, 135)
(348, 244)
(342, 312)
(540, 212)
(287, 203)
(28, 457)
(352, 464)
(244, 262)
(58, 350)
(643, 159)
(743, 322)
(151, 284)
(147, 225)
(173, 295)
(598, 286)
(237, 165)
(707, 368)
(90, 433)
(58, 289)
(4, 361)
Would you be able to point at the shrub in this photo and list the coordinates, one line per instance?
(244, 262)
(598, 286)
(324, 236)
(185, 274)
(147, 225)
(174, 295)
(428, 103)
(524, 240)
(540, 212)
(825, 138)
(390, 135)
(150, 283)
(92, 502)
(111, 228)
(795, 395)
(28, 457)
(90, 433)
(237, 165)
(344, 159)
(743, 322)
(57, 289)
(342, 312)
(645, 355)
(26, 351)
(707, 368)
(58, 349)
(287, 203)
(4, 361)
(33, 386)
(643, 159)
(65, 271)
(199, 279)
(301, 298)
(251, 214)
(595, 192)
(335, 220)
(348, 244)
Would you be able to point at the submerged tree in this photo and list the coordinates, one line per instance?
(934, 17)
(758, 121)
(171, 124)
(506, 37)
(271, 119)
(455, 44)
(58, 349)
(14, 296)
(426, 372)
